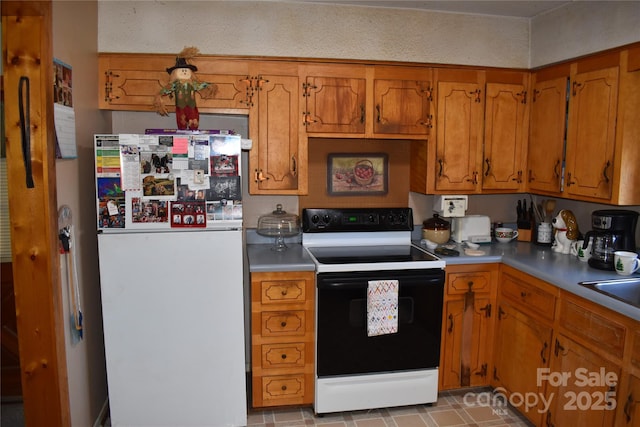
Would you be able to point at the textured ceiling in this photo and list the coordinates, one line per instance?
(522, 9)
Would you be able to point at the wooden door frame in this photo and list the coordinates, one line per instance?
(28, 52)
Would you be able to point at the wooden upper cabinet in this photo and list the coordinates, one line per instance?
(505, 134)
(459, 118)
(131, 82)
(546, 135)
(366, 101)
(278, 159)
(591, 133)
(335, 98)
(402, 101)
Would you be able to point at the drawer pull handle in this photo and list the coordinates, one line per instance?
(283, 324)
(450, 323)
(544, 349)
(523, 294)
(284, 292)
(284, 388)
(284, 356)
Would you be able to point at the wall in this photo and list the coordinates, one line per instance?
(85, 359)
(307, 30)
(582, 28)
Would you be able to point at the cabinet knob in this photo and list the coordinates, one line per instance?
(284, 388)
(283, 324)
(284, 356)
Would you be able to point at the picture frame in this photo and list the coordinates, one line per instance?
(188, 214)
(350, 174)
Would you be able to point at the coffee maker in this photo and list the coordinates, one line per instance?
(613, 230)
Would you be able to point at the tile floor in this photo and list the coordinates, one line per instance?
(450, 410)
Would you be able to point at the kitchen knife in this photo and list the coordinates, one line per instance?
(519, 211)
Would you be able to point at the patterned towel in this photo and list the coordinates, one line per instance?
(382, 307)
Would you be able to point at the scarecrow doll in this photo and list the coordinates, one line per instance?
(183, 86)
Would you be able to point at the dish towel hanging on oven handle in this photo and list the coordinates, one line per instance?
(382, 307)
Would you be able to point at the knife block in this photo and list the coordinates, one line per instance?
(524, 234)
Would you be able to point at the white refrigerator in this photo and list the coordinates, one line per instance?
(171, 266)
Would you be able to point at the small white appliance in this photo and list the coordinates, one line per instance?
(471, 228)
(450, 206)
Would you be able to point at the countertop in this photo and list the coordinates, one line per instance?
(563, 271)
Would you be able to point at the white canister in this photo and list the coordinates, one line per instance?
(545, 232)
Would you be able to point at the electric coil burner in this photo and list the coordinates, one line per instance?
(355, 249)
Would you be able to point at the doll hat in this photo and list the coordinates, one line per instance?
(187, 53)
(182, 63)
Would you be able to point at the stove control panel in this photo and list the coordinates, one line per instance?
(356, 219)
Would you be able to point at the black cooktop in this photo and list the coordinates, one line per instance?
(370, 254)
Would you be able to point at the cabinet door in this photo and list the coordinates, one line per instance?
(132, 82)
(277, 157)
(546, 135)
(458, 133)
(591, 133)
(584, 398)
(335, 104)
(522, 346)
(504, 136)
(465, 334)
(402, 106)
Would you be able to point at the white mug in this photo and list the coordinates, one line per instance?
(626, 263)
(505, 234)
(575, 245)
(584, 253)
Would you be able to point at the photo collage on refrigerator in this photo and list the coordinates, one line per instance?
(165, 180)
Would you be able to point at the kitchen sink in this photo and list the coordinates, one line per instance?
(626, 290)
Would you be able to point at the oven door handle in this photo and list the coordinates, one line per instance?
(359, 280)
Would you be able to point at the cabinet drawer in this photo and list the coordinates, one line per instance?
(283, 291)
(283, 323)
(602, 332)
(290, 355)
(530, 297)
(282, 387)
(460, 283)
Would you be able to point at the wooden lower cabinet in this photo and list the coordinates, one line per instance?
(581, 360)
(467, 326)
(524, 332)
(583, 386)
(282, 343)
(522, 347)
